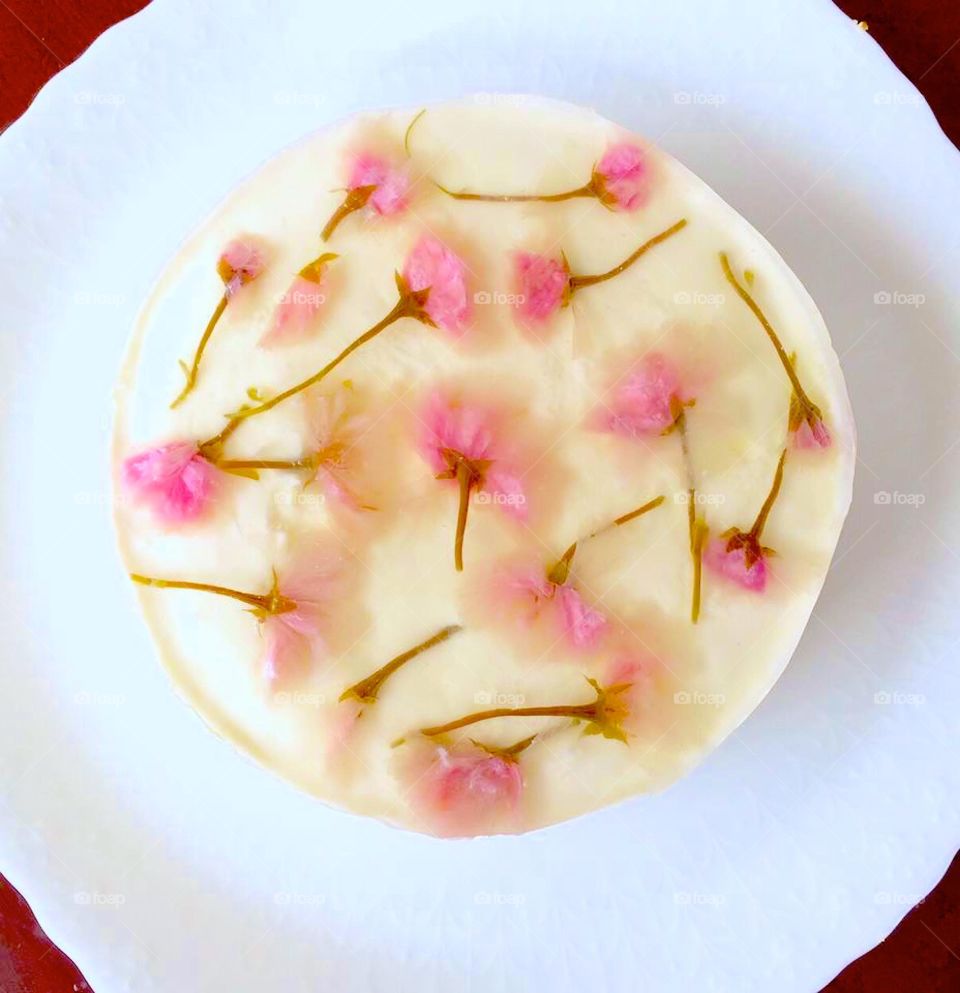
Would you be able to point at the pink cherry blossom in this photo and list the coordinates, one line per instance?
(391, 184)
(637, 673)
(174, 480)
(342, 727)
(298, 307)
(731, 564)
(295, 312)
(292, 634)
(240, 263)
(812, 435)
(465, 791)
(582, 624)
(334, 432)
(644, 402)
(530, 594)
(543, 286)
(453, 431)
(623, 176)
(434, 267)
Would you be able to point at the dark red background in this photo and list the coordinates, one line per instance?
(40, 37)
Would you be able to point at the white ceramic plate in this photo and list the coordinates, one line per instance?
(157, 856)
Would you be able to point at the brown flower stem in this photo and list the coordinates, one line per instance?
(195, 368)
(696, 550)
(367, 689)
(355, 199)
(626, 518)
(465, 481)
(231, 464)
(561, 569)
(512, 752)
(681, 425)
(406, 306)
(407, 133)
(696, 528)
(747, 298)
(578, 282)
(584, 711)
(271, 602)
(581, 191)
(758, 525)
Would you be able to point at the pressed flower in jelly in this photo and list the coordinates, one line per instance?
(620, 181)
(240, 263)
(300, 304)
(738, 555)
(545, 284)
(806, 421)
(174, 480)
(178, 481)
(432, 290)
(375, 184)
(652, 401)
(603, 715)
(335, 430)
(531, 592)
(293, 614)
(465, 789)
(460, 443)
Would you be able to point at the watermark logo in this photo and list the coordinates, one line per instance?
(87, 898)
(684, 898)
(91, 98)
(894, 698)
(896, 98)
(699, 299)
(286, 898)
(303, 298)
(499, 100)
(884, 898)
(293, 98)
(682, 499)
(487, 899)
(299, 698)
(490, 698)
(97, 698)
(697, 98)
(886, 498)
(899, 298)
(484, 298)
(499, 499)
(299, 498)
(694, 698)
(96, 298)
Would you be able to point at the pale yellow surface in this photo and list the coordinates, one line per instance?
(675, 300)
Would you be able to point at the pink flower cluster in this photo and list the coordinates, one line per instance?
(292, 636)
(391, 184)
(240, 263)
(543, 287)
(623, 177)
(432, 266)
(469, 430)
(530, 595)
(465, 790)
(644, 403)
(731, 564)
(175, 481)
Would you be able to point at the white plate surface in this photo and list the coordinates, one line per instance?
(156, 855)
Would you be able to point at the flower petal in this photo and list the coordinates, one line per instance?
(434, 267)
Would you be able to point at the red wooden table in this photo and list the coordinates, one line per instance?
(40, 37)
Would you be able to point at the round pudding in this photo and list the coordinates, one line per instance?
(479, 467)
